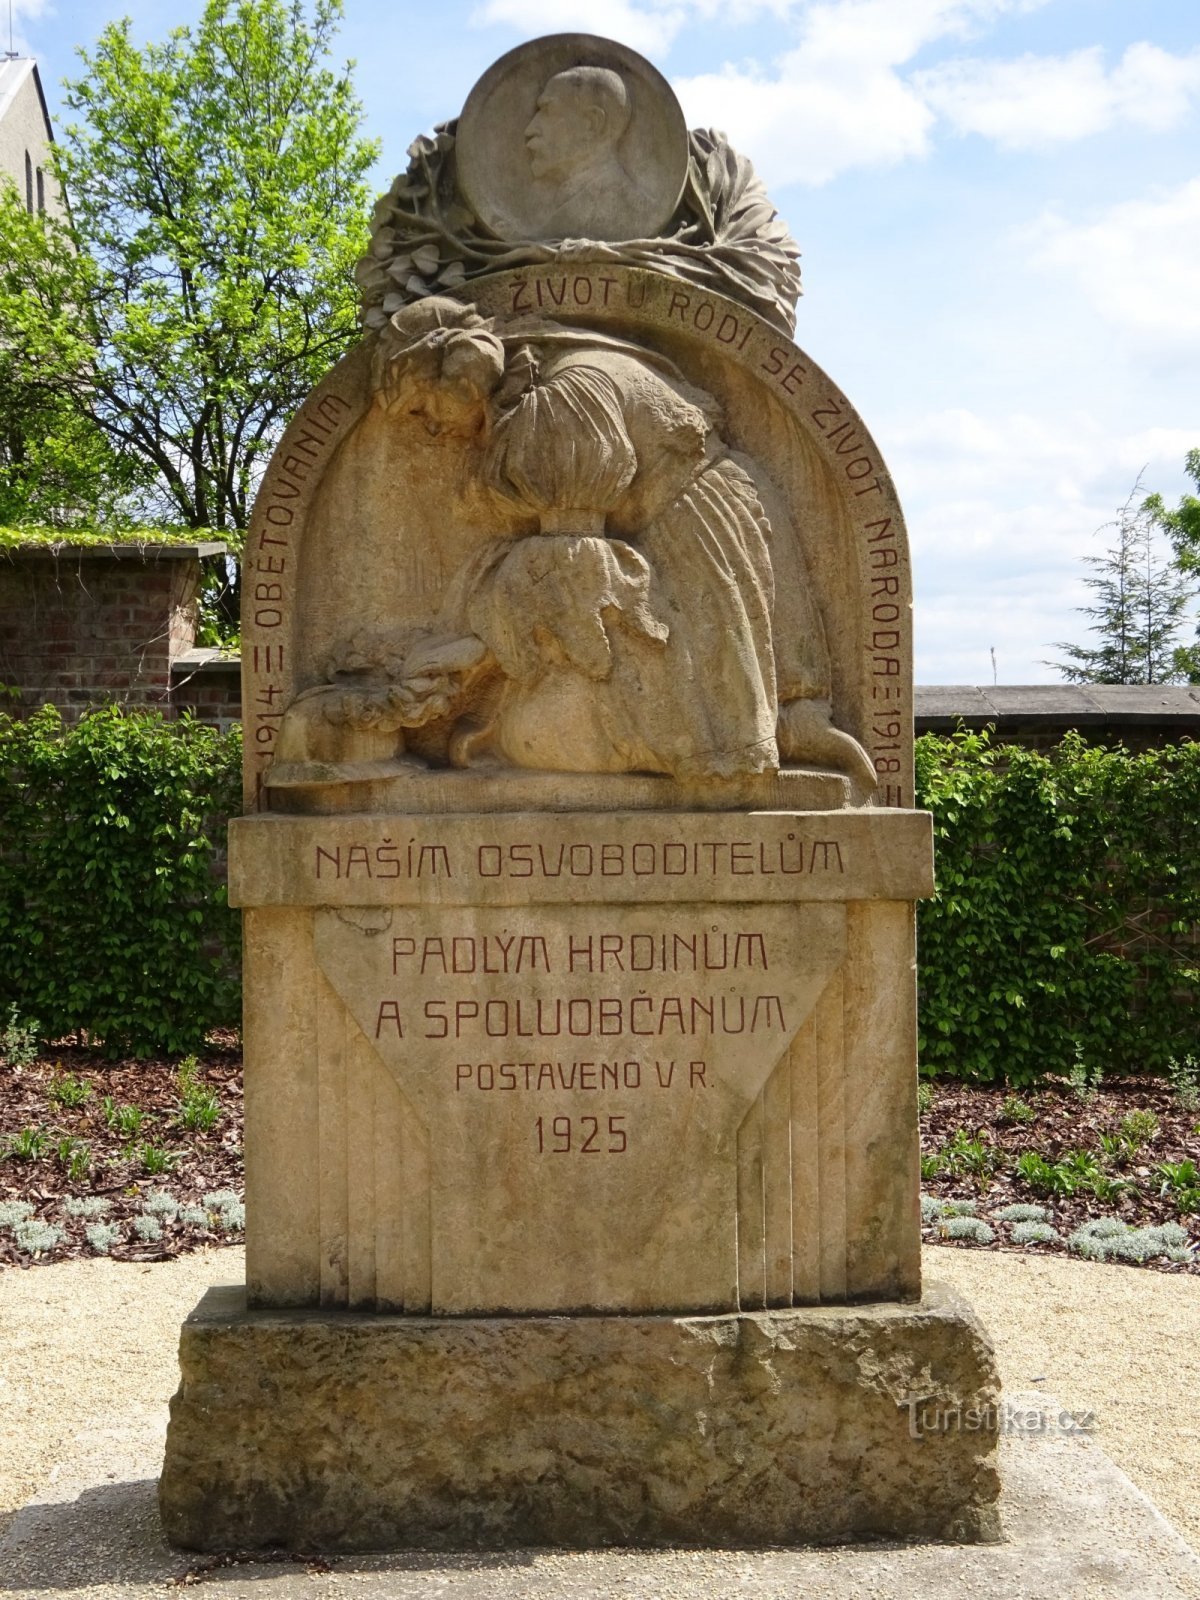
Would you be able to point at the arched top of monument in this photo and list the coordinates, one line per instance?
(572, 137)
(573, 149)
(366, 509)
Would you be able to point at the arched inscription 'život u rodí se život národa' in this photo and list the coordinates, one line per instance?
(832, 502)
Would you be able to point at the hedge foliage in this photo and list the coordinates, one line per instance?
(1065, 930)
(112, 919)
(1066, 926)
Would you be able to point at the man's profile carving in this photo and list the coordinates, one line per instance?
(573, 142)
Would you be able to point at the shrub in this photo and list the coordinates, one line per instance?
(33, 1237)
(111, 920)
(1021, 1213)
(1059, 939)
(1034, 1233)
(102, 1236)
(967, 1228)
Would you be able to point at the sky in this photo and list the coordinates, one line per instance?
(998, 205)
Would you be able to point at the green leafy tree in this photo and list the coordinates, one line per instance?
(1182, 527)
(1140, 601)
(204, 280)
(58, 467)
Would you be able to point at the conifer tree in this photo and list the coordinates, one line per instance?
(1140, 598)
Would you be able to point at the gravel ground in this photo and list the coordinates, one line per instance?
(90, 1345)
(1122, 1343)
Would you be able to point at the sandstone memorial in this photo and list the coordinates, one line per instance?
(578, 875)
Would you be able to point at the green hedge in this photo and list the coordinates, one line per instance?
(112, 920)
(1064, 929)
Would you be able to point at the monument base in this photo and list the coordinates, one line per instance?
(341, 1432)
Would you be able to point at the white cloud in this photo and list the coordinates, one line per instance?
(836, 100)
(650, 29)
(1037, 100)
(1137, 263)
(1001, 510)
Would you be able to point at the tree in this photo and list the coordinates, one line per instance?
(1140, 599)
(204, 280)
(58, 467)
(1182, 527)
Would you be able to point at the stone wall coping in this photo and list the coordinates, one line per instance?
(206, 661)
(133, 551)
(940, 707)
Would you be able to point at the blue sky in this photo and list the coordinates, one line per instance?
(998, 203)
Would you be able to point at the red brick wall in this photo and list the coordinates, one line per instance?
(82, 626)
(211, 690)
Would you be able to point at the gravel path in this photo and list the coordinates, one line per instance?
(1121, 1342)
(89, 1345)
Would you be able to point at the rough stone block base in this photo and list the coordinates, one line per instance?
(342, 1431)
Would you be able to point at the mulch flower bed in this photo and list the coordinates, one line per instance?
(160, 1142)
(981, 1134)
(122, 1134)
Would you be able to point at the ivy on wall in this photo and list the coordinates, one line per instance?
(112, 920)
(1066, 925)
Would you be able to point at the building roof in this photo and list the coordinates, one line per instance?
(939, 708)
(13, 73)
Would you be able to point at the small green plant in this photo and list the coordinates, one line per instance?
(66, 1090)
(959, 1208)
(1181, 1185)
(148, 1229)
(973, 1228)
(1108, 1238)
(102, 1236)
(976, 1157)
(14, 1211)
(1138, 1128)
(1183, 1073)
(155, 1159)
(185, 1074)
(931, 1166)
(125, 1120)
(1014, 1109)
(1084, 1080)
(1034, 1233)
(88, 1205)
(199, 1109)
(1021, 1213)
(230, 1212)
(18, 1040)
(76, 1156)
(924, 1098)
(28, 1144)
(35, 1237)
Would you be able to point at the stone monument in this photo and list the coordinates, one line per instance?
(578, 872)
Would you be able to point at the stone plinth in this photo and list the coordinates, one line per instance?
(343, 1432)
(581, 1062)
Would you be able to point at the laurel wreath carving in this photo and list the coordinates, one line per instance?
(725, 236)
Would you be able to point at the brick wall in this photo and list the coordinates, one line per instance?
(82, 624)
(209, 686)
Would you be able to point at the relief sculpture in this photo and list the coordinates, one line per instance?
(627, 625)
